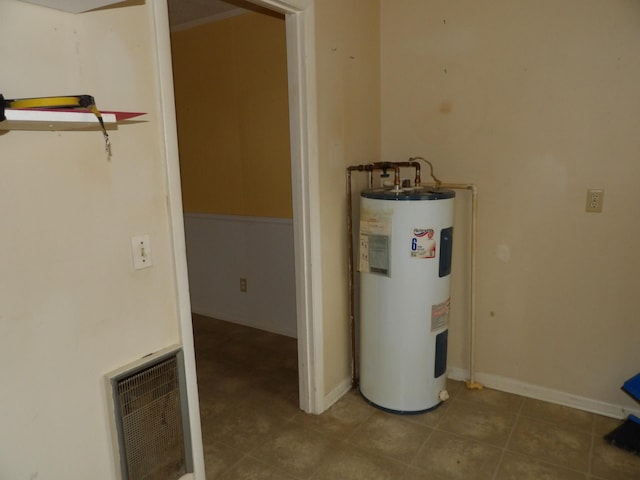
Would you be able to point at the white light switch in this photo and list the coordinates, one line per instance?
(141, 250)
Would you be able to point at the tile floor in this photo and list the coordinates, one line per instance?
(253, 429)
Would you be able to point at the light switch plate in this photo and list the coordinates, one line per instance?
(141, 252)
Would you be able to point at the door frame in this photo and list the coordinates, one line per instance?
(301, 65)
(299, 19)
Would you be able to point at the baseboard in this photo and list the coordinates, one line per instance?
(239, 321)
(337, 393)
(510, 385)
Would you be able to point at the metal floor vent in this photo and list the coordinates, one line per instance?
(151, 418)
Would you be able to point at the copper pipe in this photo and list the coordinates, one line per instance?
(435, 179)
(352, 315)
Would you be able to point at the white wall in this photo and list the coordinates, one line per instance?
(71, 306)
(222, 249)
(535, 103)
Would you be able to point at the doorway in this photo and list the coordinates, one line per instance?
(231, 88)
(301, 67)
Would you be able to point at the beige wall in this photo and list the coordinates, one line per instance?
(534, 103)
(348, 66)
(233, 123)
(71, 306)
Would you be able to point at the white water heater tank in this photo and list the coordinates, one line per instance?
(405, 246)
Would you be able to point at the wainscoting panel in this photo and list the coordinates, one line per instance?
(222, 249)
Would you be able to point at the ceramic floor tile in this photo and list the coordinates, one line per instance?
(558, 414)
(431, 418)
(251, 469)
(295, 450)
(280, 363)
(454, 387)
(353, 464)
(507, 402)
(211, 409)
(614, 463)
(390, 435)
(478, 422)
(452, 457)
(270, 394)
(240, 354)
(559, 445)
(219, 458)
(225, 355)
(341, 419)
(241, 426)
(225, 382)
(253, 428)
(414, 473)
(520, 467)
(603, 425)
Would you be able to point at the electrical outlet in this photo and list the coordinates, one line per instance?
(243, 284)
(595, 199)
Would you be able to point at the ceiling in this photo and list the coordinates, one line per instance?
(187, 11)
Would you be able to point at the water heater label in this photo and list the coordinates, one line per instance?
(375, 241)
(423, 243)
(440, 315)
(374, 254)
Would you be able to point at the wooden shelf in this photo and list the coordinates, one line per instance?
(61, 119)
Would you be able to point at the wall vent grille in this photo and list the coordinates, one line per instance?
(151, 419)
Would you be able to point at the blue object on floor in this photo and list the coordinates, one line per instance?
(632, 387)
(627, 435)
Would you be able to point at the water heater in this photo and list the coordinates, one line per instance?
(405, 246)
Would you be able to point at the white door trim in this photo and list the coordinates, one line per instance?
(299, 15)
(167, 119)
(301, 64)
